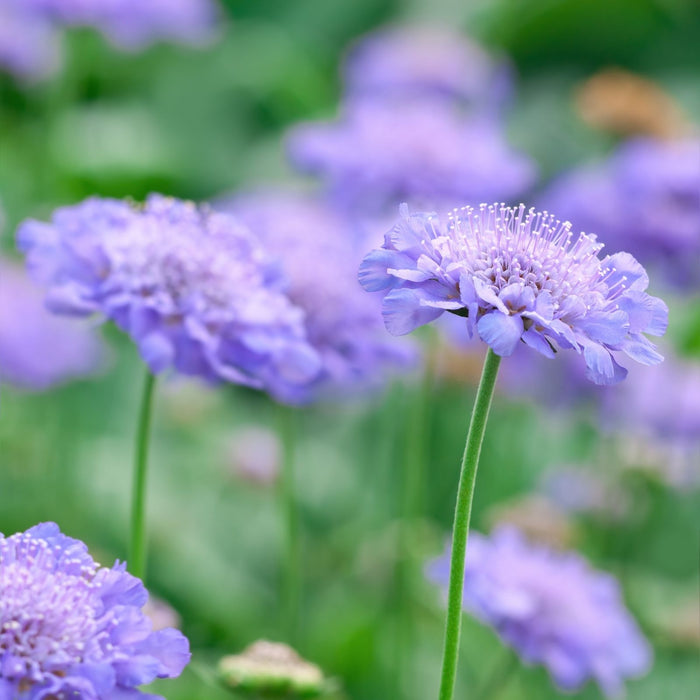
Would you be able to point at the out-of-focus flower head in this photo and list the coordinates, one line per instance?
(274, 668)
(552, 608)
(30, 29)
(37, 349)
(29, 43)
(254, 453)
(426, 60)
(342, 323)
(657, 417)
(645, 199)
(193, 288)
(426, 152)
(517, 276)
(70, 628)
(132, 23)
(625, 103)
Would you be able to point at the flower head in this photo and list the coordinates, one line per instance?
(425, 60)
(70, 628)
(193, 288)
(342, 322)
(384, 152)
(26, 328)
(646, 200)
(552, 608)
(517, 276)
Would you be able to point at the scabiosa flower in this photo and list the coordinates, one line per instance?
(425, 60)
(193, 288)
(646, 200)
(70, 628)
(383, 152)
(27, 327)
(342, 322)
(552, 608)
(517, 276)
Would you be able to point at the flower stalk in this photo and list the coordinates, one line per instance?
(460, 530)
(137, 548)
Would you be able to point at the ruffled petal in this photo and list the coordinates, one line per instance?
(500, 331)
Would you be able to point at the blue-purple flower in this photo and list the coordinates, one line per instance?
(517, 276)
(72, 629)
(425, 60)
(384, 152)
(193, 288)
(27, 330)
(342, 323)
(552, 608)
(645, 199)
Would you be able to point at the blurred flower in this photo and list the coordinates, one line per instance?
(657, 418)
(69, 628)
(132, 23)
(29, 44)
(645, 199)
(161, 614)
(254, 454)
(342, 323)
(37, 349)
(552, 608)
(579, 490)
(426, 152)
(193, 288)
(517, 276)
(625, 103)
(425, 60)
(271, 667)
(537, 518)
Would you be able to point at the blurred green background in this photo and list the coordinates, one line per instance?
(200, 122)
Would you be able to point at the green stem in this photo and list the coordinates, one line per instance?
(137, 550)
(292, 575)
(460, 530)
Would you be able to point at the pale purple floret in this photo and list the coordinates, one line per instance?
(552, 608)
(517, 276)
(72, 629)
(38, 350)
(425, 60)
(342, 322)
(645, 199)
(384, 152)
(193, 288)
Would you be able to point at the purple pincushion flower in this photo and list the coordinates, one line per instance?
(425, 60)
(645, 199)
(37, 349)
(342, 322)
(426, 152)
(517, 276)
(552, 608)
(70, 628)
(193, 288)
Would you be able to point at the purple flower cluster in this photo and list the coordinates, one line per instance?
(517, 276)
(27, 329)
(342, 323)
(193, 288)
(30, 29)
(425, 60)
(70, 628)
(552, 608)
(383, 152)
(645, 199)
